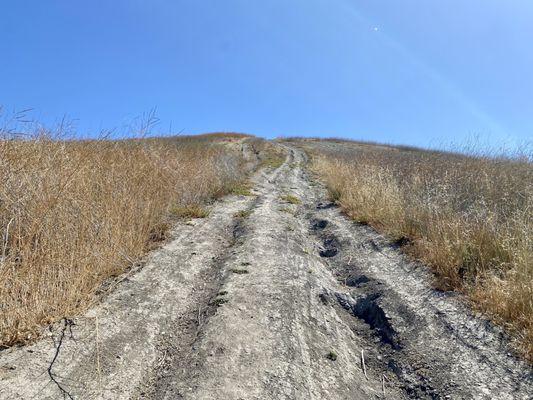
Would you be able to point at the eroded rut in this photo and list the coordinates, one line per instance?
(425, 341)
(268, 298)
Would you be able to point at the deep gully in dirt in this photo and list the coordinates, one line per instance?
(274, 299)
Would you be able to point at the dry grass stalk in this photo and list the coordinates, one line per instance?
(363, 363)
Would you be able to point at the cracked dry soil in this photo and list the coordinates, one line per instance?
(266, 299)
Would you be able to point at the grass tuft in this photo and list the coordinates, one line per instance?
(243, 189)
(289, 198)
(243, 214)
(274, 157)
(219, 301)
(189, 211)
(239, 271)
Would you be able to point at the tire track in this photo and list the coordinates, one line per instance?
(274, 339)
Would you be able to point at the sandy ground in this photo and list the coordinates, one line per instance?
(266, 299)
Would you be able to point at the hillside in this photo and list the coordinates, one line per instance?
(273, 291)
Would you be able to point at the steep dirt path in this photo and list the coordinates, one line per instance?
(271, 298)
(272, 338)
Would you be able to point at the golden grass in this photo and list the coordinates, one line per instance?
(470, 218)
(75, 213)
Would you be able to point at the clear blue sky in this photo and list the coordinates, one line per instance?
(417, 72)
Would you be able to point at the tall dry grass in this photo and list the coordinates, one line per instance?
(469, 217)
(75, 213)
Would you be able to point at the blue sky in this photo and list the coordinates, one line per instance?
(414, 72)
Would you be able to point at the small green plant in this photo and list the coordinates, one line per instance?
(274, 157)
(193, 211)
(332, 356)
(239, 271)
(218, 302)
(273, 162)
(243, 214)
(287, 210)
(242, 189)
(289, 198)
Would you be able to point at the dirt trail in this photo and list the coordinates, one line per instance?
(266, 299)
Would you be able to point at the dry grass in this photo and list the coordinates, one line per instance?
(75, 213)
(470, 218)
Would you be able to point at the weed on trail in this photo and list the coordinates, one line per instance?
(243, 214)
(274, 157)
(75, 213)
(193, 211)
(219, 301)
(287, 210)
(242, 190)
(469, 217)
(289, 198)
(239, 271)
